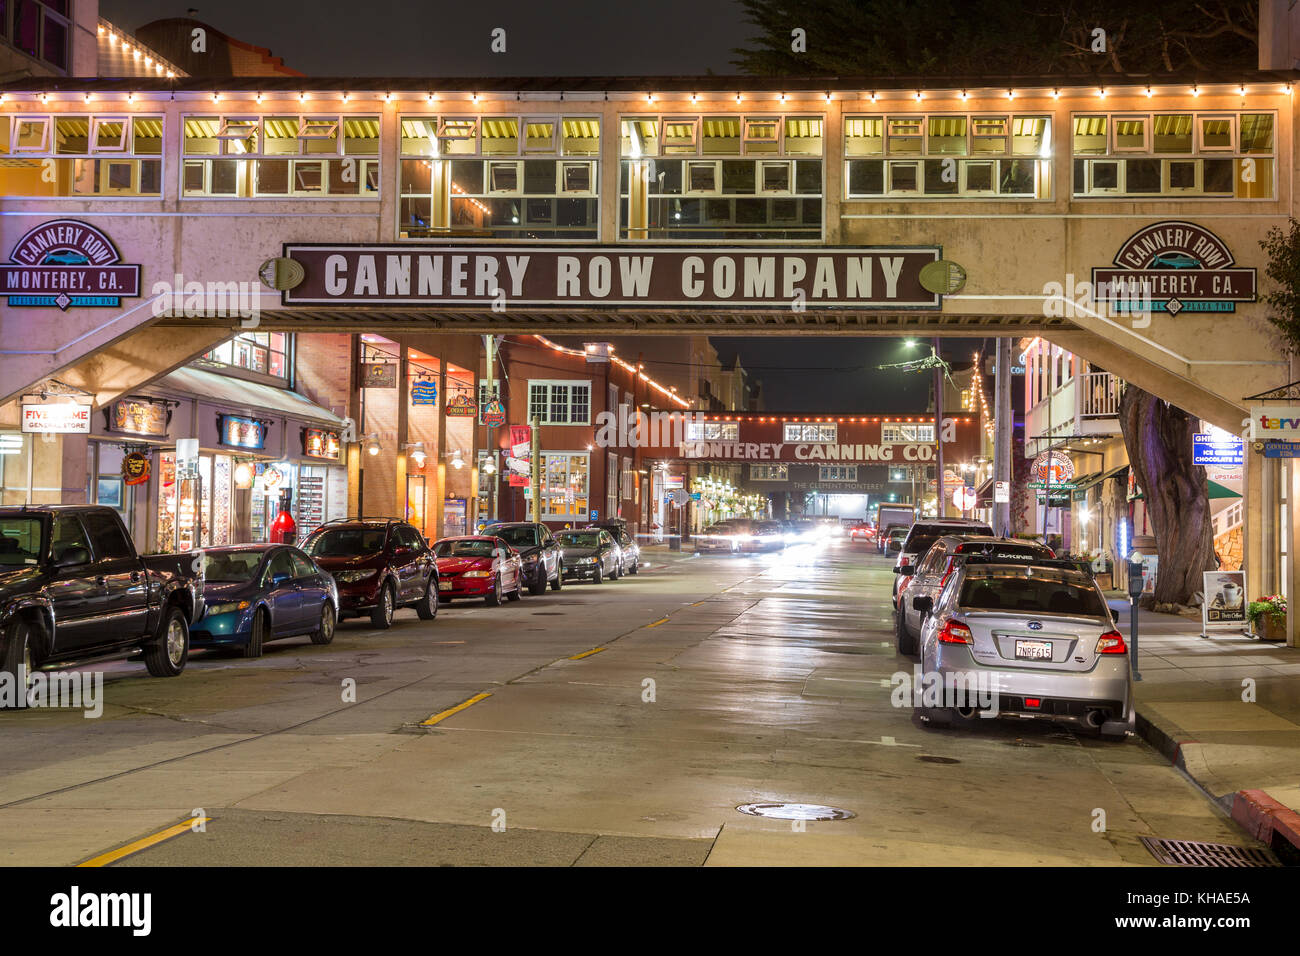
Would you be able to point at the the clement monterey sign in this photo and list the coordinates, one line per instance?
(1175, 267)
(65, 263)
(579, 276)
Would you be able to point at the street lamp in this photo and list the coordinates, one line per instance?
(372, 445)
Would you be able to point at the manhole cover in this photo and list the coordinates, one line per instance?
(548, 614)
(795, 811)
(1193, 853)
(932, 758)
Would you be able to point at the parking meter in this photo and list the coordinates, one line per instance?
(1135, 569)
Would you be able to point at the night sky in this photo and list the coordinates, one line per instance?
(577, 37)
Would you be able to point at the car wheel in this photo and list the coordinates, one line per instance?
(381, 615)
(257, 635)
(167, 655)
(538, 585)
(325, 633)
(906, 642)
(19, 636)
(494, 599)
(559, 578)
(599, 576)
(518, 592)
(617, 572)
(636, 566)
(428, 606)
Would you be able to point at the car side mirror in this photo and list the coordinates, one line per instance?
(71, 557)
(924, 604)
(280, 577)
(905, 569)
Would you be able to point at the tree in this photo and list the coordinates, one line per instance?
(963, 37)
(1283, 248)
(1158, 437)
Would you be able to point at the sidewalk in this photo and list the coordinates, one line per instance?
(1195, 705)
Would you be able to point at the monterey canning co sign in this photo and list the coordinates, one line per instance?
(1175, 267)
(66, 263)
(593, 276)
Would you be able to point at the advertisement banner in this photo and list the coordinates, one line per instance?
(1225, 601)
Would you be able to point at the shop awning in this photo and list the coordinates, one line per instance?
(1221, 491)
(1087, 481)
(227, 390)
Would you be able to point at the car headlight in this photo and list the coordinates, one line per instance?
(584, 560)
(349, 577)
(230, 608)
(476, 574)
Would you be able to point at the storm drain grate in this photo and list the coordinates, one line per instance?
(795, 811)
(1195, 853)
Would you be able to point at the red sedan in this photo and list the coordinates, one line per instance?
(861, 532)
(478, 566)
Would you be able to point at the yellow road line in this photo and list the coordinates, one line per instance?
(143, 844)
(594, 650)
(443, 715)
(658, 622)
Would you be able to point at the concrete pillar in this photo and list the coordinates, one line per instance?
(403, 421)
(1292, 585)
(353, 454)
(440, 492)
(1253, 554)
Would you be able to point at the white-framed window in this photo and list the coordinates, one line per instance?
(1204, 155)
(559, 402)
(947, 155)
(485, 392)
(566, 483)
(769, 472)
(838, 473)
(264, 352)
(299, 155)
(713, 431)
(899, 432)
(811, 432)
(80, 155)
(499, 177)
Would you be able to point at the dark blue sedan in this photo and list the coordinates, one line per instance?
(254, 593)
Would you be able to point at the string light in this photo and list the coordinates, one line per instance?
(668, 393)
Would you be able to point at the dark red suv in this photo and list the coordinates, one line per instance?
(380, 564)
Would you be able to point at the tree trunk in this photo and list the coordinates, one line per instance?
(1158, 437)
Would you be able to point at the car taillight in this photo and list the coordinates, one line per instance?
(955, 632)
(1112, 642)
(1051, 553)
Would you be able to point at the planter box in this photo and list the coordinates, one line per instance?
(1271, 628)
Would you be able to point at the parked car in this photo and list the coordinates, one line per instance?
(629, 549)
(894, 540)
(922, 534)
(257, 593)
(589, 553)
(379, 564)
(766, 536)
(1039, 634)
(538, 549)
(928, 576)
(74, 590)
(479, 566)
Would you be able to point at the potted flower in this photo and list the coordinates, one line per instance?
(1267, 617)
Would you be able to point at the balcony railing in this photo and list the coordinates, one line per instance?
(1100, 395)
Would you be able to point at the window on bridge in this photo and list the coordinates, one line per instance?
(90, 155)
(810, 432)
(769, 472)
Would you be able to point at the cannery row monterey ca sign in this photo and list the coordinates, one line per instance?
(1174, 267)
(66, 262)
(851, 278)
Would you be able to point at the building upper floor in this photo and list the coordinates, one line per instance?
(1066, 397)
(683, 160)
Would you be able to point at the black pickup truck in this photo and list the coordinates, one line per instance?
(73, 590)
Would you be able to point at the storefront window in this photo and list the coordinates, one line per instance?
(87, 155)
(499, 177)
(945, 156)
(1209, 155)
(326, 156)
(565, 485)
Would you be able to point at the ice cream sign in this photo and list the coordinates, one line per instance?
(1174, 267)
(66, 263)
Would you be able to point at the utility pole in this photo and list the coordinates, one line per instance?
(938, 430)
(535, 467)
(1002, 429)
(489, 345)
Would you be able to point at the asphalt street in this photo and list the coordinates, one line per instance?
(714, 682)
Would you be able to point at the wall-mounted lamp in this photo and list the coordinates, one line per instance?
(372, 444)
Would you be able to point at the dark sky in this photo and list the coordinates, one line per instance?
(442, 38)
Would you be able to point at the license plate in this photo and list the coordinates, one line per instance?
(444, 585)
(1033, 650)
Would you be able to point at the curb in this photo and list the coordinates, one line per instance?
(1265, 819)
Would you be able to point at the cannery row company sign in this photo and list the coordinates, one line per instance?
(64, 263)
(853, 278)
(1174, 267)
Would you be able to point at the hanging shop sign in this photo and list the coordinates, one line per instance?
(1280, 422)
(1217, 448)
(59, 418)
(271, 476)
(494, 414)
(66, 263)
(135, 468)
(424, 392)
(1278, 449)
(379, 375)
(1174, 267)
(462, 405)
(138, 417)
(320, 443)
(1052, 469)
(239, 432)
(877, 277)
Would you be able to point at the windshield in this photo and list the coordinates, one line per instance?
(21, 540)
(346, 542)
(580, 539)
(231, 565)
(719, 529)
(1039, 595)
(520, 536)
(463, 549)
